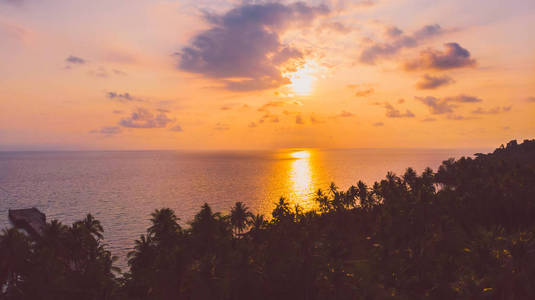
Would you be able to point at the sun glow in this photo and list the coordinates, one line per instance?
(303, 79)
(300, 154)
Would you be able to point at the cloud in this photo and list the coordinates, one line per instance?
(457, 117)
(143, 118)
(119, 72)
(454, 56)
(16, 32)
(376, 51)
(108, 130)
(437, 106)
(13, 2)
(463, 99)
(429, 82)
(102, 72)
(393, 32)
(176, 128)
(492, 111)
(274, 104)
(252, 125)
(243, 49)
(315, 120)
(269, 118)
(122, 97)
(221, 127)
(429, 120)
(392, 112)
(299, 120)
(118, 112)
(346, 114)
(271, 104)
(530, 99)
(336, 27)
(364, 93)
(75, 60)
(441, 106)
(378, 124)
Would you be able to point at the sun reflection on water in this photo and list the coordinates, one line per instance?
(301, 178)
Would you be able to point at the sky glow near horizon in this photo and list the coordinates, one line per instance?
(265, 74)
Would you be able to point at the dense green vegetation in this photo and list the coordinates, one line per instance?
(464, 232)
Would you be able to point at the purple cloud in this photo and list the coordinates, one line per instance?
(492, 111)
(245, 43)
(143, 118)
(454, 56)
(392, 112)
(371, 54)
(108, 130)
(429, 82)
(446, 105)
(75, 60)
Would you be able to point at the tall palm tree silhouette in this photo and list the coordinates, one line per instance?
(239, 217)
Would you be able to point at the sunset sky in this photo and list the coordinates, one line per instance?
(206, 74)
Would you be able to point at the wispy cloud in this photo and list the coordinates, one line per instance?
(122, 97)
(143, 118)
(392, 112)
(299, 120)
(267, 117)
(377, 51)
(316, 120)
(346, 114)
(364, 93)
(429, 120)
(75, 60)
(221, 127)
(446, 105)
(176, 128)
(492, 111)
(108, 130)
(430, 82)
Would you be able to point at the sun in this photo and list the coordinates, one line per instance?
(300, 154)
(302, 80)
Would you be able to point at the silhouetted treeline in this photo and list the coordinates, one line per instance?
(464, 232)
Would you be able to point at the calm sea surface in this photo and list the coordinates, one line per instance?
(121, 188)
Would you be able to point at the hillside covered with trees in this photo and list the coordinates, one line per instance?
(463, 232)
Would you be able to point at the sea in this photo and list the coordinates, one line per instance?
(122, 188)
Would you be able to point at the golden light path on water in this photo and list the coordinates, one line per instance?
(301, 178)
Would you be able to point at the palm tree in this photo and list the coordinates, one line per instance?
(258, 222)
(282, 210)
(92, 226)
(333, 188)
(239, 217)
(14, 254)
(142, 254)
(323, 201)
(164, 225)
(349, 197)
(53, 237)
(362, 191)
